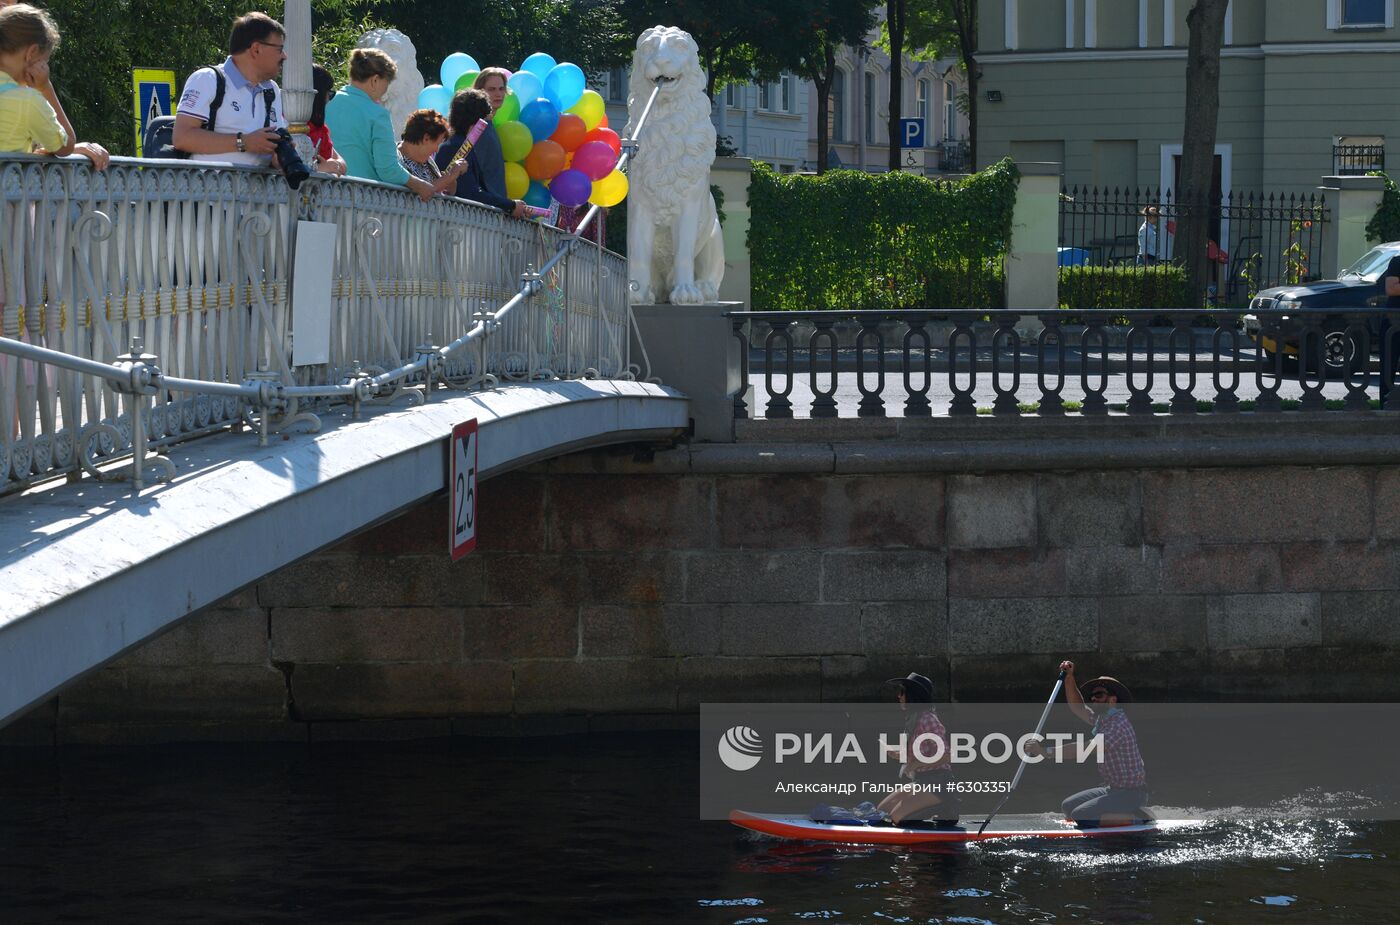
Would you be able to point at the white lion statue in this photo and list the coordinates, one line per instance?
(675, 249)
(402, 99)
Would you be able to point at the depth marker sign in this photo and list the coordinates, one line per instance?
(461, 488)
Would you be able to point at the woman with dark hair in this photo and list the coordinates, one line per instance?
(423, 134)
(468, 108)
(492, 82)
(926, 768)
(326, 157)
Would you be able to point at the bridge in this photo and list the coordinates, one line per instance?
(206, 377)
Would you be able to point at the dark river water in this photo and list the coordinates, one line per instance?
(587, 829)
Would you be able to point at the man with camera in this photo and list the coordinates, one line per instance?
(232, 113)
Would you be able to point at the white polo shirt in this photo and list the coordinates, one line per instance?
(240, 111)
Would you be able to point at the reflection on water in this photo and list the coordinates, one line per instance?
(601, 829)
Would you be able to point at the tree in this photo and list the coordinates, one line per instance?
(895, 22)
(939, 28)
(1206, 21)
(834, 23)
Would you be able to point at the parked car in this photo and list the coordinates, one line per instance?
(1360, 287)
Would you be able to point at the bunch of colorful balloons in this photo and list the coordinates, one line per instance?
(554, 131)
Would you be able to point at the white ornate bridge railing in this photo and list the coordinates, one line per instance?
(164, 287)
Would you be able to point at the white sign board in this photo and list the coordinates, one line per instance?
(911, 159)
(461, 489)
(312, 286)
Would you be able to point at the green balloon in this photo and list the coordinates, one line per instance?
(465, 81)
(516, 140)
(509, 111)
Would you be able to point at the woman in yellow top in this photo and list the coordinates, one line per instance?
(31, 118)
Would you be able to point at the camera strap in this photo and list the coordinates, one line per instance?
(268, 96)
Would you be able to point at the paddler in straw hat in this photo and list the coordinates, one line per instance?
(1121, 799)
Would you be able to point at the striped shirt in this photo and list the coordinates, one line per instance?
(27, 120)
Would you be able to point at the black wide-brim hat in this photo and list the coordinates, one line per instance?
(1114, 686)
(916, 680)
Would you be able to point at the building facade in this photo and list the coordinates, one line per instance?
(1306, 89)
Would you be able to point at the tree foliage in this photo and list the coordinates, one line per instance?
(854, 240)
(944, 28)
(831, 24)
(104, 39)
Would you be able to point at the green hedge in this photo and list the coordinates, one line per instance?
(854, 240)
(1123, 287)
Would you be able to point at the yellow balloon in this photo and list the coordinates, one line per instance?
(589, 108)
(610, 190)
(517, 180)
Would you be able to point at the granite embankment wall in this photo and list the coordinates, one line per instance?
(613, 591)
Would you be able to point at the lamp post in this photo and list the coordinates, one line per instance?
(298, 92)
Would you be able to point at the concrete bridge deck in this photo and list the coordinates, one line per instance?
(89, 570)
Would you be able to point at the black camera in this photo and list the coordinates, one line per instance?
(293, 167)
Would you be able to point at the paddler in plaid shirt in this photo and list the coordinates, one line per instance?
(1122, 798)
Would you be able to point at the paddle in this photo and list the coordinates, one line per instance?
(1015, 781)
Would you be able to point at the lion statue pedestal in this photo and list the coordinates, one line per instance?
(675, 249)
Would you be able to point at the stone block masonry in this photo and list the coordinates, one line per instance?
(610, 590)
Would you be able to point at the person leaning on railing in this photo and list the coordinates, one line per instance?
(468, 107)
(31, 117)
(327, 158)
(492, 82)
(240, 97)
(423, 133)
(363, 129)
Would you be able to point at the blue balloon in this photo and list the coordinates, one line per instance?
(525, 85)
(564, 85)
(537, 195)
(435, 97)
(454, 66)
(541, 117)
(539, 64)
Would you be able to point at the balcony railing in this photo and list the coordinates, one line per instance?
(105, 275)
(1357, 160)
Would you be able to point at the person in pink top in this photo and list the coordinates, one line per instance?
(926, 762)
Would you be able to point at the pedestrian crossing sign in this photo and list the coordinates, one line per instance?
(153, 96)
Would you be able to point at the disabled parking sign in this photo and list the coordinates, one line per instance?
(152, 96)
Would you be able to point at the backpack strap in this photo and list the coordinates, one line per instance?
(218, 98)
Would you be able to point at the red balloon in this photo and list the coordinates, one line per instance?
(545, 160)
(607, 136)
(595, 159)
(569, 135)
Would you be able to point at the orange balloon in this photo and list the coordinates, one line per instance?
(604, 122)
(607, 136)
(569, 134)
(545, 160)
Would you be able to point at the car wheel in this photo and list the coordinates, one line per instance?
(1339, 352)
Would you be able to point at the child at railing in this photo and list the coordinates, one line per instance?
(31, 117)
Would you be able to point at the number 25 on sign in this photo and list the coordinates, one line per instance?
(461, 485)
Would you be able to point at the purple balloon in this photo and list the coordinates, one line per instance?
(596, 159)
(572, 187)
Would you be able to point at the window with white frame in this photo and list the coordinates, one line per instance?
(615, 85)
(765, 95)
(921, 103)
(950, 111)
(836, 108)
(1360, 14)
(778, 95)
(732, 94)
(869, 108)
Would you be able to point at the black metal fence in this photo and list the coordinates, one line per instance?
(1309, 360)
(954, 157)
(1118, 246)
(1357, 160)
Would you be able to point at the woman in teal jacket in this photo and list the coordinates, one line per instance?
(364, 134)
